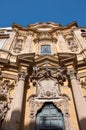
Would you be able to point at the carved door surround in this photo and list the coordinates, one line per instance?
(37, 104)
(48, 82)
(50, 118)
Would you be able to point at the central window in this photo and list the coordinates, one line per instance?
(45, 49)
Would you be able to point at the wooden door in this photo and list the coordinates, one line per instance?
(50, 118)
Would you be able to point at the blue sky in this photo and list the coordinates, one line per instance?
(26, 12)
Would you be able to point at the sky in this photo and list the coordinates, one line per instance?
(25, 12)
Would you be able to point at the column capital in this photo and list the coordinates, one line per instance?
(21, 75)
(72, 74)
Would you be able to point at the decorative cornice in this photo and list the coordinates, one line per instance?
(44, 27)
(50, 60)
(25, 59)
(45, 36)
(70, 25)
(4, 36)
(67, 58)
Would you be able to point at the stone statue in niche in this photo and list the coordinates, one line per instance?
(48, 81)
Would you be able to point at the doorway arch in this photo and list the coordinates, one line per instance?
(49, 118)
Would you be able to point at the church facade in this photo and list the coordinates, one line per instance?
(43, 77)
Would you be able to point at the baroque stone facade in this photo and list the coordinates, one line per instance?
(43, 77)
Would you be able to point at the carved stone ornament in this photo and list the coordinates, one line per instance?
(22, 74)
(19, 44)
(32, 107)
(36, 104)
(5, 99)
(72, 45)
(48, 89)
(45, 36)
(59, 74)
(48, 82)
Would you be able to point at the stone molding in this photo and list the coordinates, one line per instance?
(37, 104)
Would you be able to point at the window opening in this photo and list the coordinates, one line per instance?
(45, 49)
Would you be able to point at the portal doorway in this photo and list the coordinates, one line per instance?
(49, 118)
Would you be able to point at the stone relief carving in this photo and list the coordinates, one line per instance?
(48, 89)
(36, 104)
(48, 81)
(72, 45)
(5, 98)
(71, 42)
(32, 106)
(45, 36)
(19, 44)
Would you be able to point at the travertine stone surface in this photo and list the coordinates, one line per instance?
(18, 103)
(22, 49)
(79, 101)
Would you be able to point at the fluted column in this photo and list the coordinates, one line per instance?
(79, 101)
(15, 122)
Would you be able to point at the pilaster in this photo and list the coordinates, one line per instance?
(62, 43)
(28, 43)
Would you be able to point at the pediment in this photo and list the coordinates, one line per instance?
(25, 59)
(67, 57)
(43, 27)
(49, 60)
